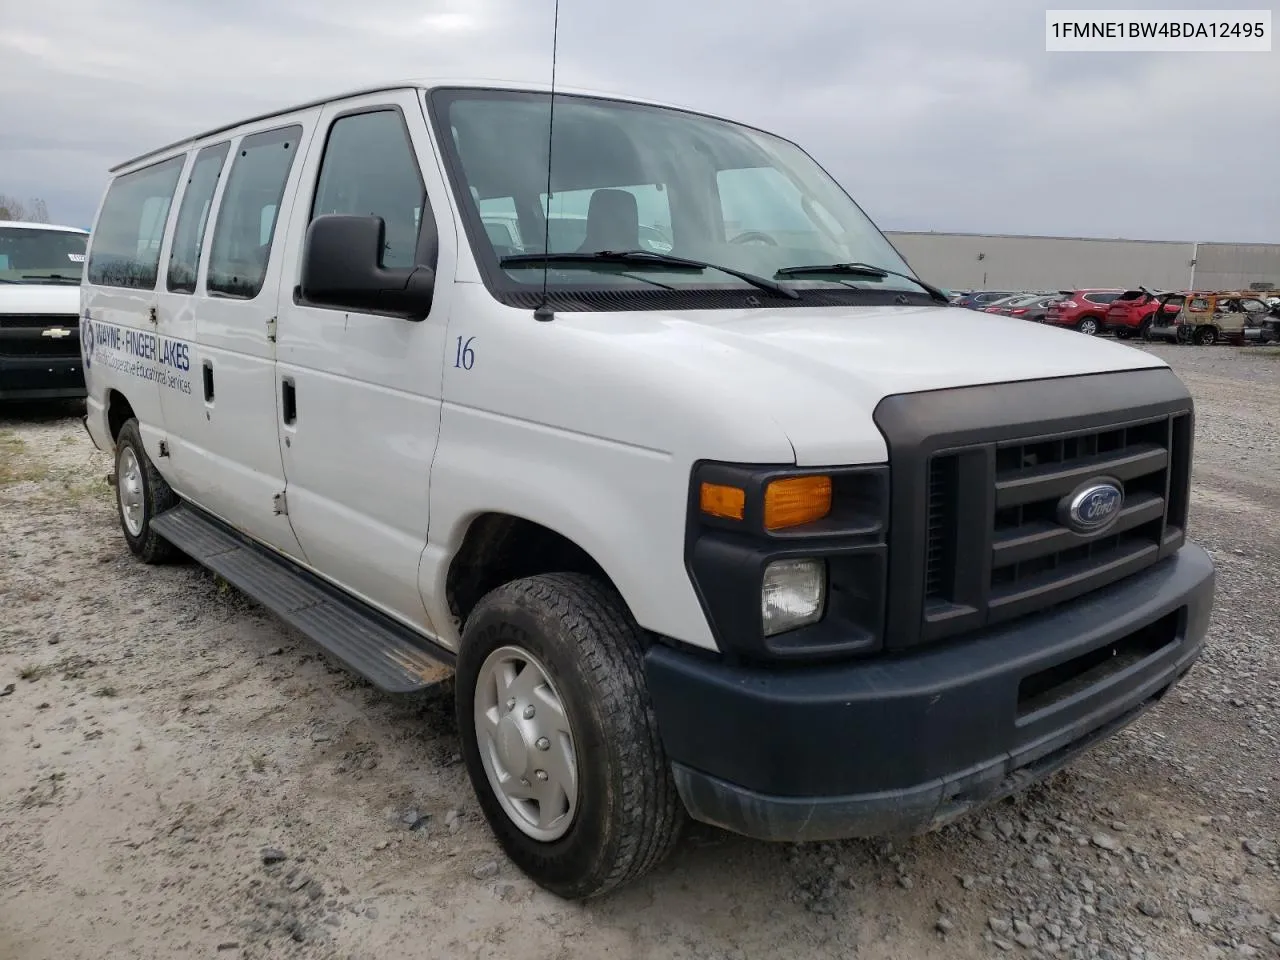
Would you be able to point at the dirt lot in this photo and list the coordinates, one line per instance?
(158, 732)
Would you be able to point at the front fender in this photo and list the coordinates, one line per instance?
(624, 505)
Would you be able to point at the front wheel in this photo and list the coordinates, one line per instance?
(1206, 336)
(1088, 326)
(141, 495)
(559, 735)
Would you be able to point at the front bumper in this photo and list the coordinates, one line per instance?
(903, 744)
(41, 378)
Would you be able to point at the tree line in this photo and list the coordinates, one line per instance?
(33, 211)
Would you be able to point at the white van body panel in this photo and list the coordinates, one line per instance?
(820, 372)
(116, 319)
(230, 446)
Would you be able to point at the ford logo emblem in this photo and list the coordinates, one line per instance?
(1093, 506)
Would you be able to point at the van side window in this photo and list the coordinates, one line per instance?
(193, 214)
(125, 249)
(247, 214)
(369, 168)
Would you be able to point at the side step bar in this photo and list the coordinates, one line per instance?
(387, 654)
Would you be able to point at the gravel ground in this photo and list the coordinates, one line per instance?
(183, 776)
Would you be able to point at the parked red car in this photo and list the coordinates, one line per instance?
(1083, 310)
(1130, 314)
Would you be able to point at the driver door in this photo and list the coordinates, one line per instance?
(358, 392)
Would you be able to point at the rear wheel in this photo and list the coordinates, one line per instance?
(1088, 326)
(141, 495)
(1206, 336)
(559, 735)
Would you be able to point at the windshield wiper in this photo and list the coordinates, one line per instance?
(649, 258)
(50, 276)
(862, 270)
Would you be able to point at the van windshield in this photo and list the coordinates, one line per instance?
(628, 177)
(39, 255)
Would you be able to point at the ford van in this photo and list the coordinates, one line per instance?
(744, 526)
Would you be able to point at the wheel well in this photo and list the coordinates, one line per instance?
(119, 412)
(499, 548)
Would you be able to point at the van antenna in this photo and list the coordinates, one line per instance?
(544, 313)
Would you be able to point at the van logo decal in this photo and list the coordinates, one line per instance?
(1093, 506)
(86, 340)
(142, 354)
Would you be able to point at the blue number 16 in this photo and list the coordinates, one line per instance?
(465, 358)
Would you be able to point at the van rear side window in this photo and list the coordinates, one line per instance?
(188, 235)
(243, 236)
(125, 249)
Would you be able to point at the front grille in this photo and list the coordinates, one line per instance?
(997, 546)
(940, 547)
(24, 336)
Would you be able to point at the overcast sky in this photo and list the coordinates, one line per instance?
(935, 114)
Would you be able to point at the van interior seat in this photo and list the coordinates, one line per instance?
(613, 222)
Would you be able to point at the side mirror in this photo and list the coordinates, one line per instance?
(342, 268)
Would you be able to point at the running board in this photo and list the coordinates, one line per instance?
(384, 652)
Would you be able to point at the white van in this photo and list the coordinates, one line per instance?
(40, 269)
(757, 530)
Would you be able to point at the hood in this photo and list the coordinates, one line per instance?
(39, 298)
(816, 367)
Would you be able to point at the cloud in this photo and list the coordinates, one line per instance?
(933, 114)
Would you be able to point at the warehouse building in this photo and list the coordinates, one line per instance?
(971, 261)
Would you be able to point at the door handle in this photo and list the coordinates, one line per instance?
(207, 370)
(288, 401)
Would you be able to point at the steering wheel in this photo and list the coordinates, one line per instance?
(754, 236)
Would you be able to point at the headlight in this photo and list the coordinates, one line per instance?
(792, 595)
(790, 562)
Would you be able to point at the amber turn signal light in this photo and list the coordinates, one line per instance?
(796, 501)
(720, 500)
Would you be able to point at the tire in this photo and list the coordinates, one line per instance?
(628, 816)
(1205, 337)
(148, 495)
(1089, 326)
(1144, 330)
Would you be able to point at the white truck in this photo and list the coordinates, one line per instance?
(40, 269)
(754, 529)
